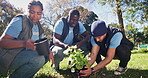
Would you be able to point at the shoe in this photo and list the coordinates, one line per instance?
(120, 70)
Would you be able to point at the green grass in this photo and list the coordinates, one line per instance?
(137, 68)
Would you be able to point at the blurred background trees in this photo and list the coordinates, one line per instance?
(7, 12)
(134, 11)
(130, 14)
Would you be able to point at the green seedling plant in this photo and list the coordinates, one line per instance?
(76, 58)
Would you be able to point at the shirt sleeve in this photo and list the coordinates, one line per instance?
(82, 28)
(15, 27)
(58, 28)
(116, 40)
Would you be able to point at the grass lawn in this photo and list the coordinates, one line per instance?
(137, 68)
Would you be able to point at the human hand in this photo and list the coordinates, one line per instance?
(29, 44)
(51, 57)
(79, 44)
(85, 72)
(66, 45)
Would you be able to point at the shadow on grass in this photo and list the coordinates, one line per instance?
(139, 52)
(131, 73)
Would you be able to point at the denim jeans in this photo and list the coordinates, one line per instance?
(26, 64)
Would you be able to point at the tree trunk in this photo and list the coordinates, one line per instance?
(120, 19)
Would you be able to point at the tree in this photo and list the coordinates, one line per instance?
(131, 32)
(136, 11)
(56, 8)
(113, 25)
(137, 35)
(131, 8)
(47, 32)
(118, 11)
(145, 34)
(7, 12)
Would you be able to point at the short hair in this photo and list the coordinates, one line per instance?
(74, 12)
(35, 2)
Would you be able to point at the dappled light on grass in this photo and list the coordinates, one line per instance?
(137, 68)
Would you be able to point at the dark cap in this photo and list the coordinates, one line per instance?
(98, 28)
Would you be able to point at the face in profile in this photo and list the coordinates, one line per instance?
(35, 13)
(100, 38)
(73, 20)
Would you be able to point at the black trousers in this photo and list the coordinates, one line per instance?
(122, 53)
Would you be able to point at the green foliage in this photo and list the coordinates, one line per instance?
(135, 10)
(131, 32)
(118, 11)
(7, 12)
(135, 35)
(137, 68)
(142, 50)
(113, 25)
(76, 58)
(47, 32)
(145, 34)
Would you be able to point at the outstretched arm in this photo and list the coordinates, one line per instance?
(86, 39)
(56, 41)
(108, 59)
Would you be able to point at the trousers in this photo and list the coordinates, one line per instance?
(26, 64)
(122, 53)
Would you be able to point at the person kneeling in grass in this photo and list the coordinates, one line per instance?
(111, 43)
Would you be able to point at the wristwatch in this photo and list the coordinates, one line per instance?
(92, 69)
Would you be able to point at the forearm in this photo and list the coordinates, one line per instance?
(92, 59)
(102, 64)
(59, 43)
(86, 37)
(108, 59)
(93, 55)
(8, 43)
(85, 40)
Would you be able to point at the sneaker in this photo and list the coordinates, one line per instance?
(120, 70)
